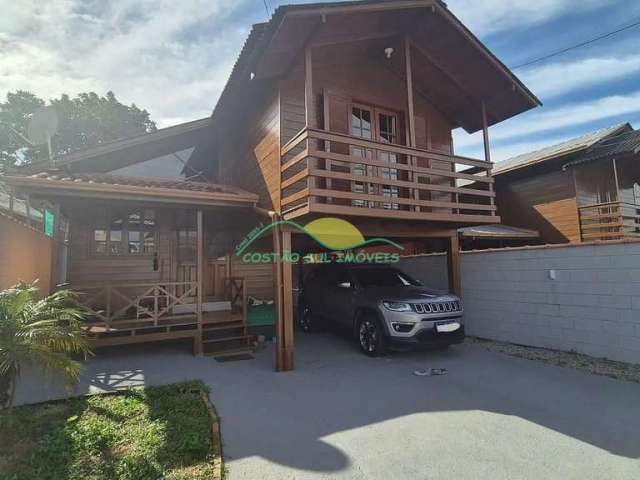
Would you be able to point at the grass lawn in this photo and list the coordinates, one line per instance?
(152, 433)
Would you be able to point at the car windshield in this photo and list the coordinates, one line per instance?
(383, 277)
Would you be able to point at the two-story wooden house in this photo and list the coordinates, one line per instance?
(334, 109)
(584, 189)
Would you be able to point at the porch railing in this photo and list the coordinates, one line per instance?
(331, 172)
(609, 221)
(149, 304)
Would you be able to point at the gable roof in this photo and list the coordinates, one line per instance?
(135, 149)
(558, 150)
(273, 46)
(621, 144)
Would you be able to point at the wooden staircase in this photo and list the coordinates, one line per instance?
(227, 338)
(228, 334)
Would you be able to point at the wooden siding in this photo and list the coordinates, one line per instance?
(259, 278)
(546, 203)
(249, 152)
(87, 267)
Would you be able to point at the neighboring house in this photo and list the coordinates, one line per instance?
(584, 189)
(339, 109)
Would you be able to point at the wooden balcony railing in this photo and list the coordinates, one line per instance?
(609, 221)
(136, 305)
(333, 173)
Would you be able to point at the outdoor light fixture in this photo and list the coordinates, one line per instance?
(388, 52)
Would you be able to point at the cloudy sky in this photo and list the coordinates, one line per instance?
(173, 57)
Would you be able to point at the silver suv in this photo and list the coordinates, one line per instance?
(381, 305)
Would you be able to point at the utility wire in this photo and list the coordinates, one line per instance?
(266, 7)
(578, 45)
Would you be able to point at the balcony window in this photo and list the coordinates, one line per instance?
(125, 233)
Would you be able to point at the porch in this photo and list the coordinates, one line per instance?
(151, 260)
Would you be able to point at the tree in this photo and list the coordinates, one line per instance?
(45, 332)
(83, 121)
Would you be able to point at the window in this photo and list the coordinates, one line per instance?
(388, 133)
(361, 122)
(125, 232)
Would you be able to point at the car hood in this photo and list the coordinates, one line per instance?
(410, 294)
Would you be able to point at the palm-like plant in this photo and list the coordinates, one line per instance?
(45, 332)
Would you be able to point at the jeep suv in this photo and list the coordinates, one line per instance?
(381, 305)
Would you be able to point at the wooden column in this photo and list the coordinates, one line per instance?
(453, 265)
(287, 310)
(284, 302)
(310, 115)
(487, 150)
(411, 120)
(197, 346)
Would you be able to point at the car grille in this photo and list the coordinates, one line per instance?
(437, 307)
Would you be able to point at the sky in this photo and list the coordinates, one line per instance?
(173, 57)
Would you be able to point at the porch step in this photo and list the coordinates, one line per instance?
(228, 346)
(226, 339)
(209, 327)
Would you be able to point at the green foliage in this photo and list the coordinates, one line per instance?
(161, 432)
(45, 331)
(83, 121)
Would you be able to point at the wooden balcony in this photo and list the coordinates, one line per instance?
(609, 221)
(331, 173)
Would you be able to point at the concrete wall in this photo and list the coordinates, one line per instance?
(25, 254)
(592, 306)
(430, 269)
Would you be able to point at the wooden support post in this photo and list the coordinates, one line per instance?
(453, 265)
(287, 296)
(411, 120)
(310, 115)
(197, 346)
(277, 249)
(487, 150)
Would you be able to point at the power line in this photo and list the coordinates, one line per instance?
(578, 45)
(267, 6)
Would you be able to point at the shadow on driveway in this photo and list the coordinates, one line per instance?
(344, 415)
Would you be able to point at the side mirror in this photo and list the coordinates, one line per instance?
(344, 285)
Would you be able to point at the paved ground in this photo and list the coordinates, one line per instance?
(343, 415)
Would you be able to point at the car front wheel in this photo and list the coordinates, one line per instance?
(371, 337)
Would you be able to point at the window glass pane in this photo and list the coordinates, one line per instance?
(100, 235)
(134, 220)
(115, 242)
(149, 242)
(149, 218)
(134, 247)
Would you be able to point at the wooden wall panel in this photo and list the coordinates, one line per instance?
(249, 149)
(86, 267)
(546, 203)
(259, 278)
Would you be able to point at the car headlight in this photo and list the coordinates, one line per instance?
(397, 306)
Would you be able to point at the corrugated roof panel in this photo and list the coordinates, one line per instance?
(554, 151)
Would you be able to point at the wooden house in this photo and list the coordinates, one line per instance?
(335, 109)
(585, 189)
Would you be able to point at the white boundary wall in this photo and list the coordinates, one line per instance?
(592, 305)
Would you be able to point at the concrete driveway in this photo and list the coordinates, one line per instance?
(345, 416)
